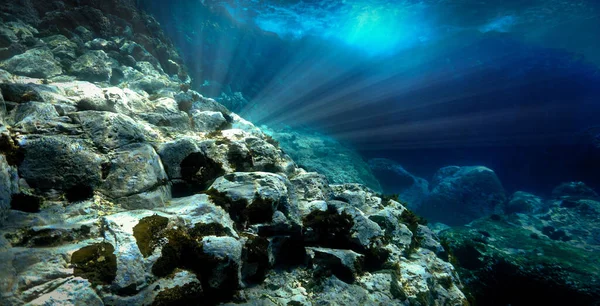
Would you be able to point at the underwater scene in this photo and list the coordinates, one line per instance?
(300, 152)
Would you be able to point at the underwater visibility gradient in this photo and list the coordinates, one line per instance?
(300, 152)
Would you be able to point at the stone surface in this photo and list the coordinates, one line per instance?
(36, 63)
(93, 66)
(59, 162)
(110, 131)
(8, 186)
(462, 194)
(134, 169)
(207, 121)
(523, 202)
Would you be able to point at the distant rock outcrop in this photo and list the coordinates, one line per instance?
(548, 258)
(394, 179)
(462, 194)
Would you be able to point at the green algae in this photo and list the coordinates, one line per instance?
(241, 212)
(148, 233)
(96, 263)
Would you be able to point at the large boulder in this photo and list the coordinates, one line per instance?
(36, 63)
(109, 130)
(462, 194)
(250, 197)
(134, 173)
(60, 162)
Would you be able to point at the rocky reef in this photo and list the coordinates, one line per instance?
(541, 252)
(122, 186)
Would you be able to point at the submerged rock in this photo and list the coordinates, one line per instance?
(319, 153)
(395, 179)
(147, 193)
(523, 202)
(462, 194)
(36, 63)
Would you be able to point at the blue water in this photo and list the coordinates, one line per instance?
(512, 85)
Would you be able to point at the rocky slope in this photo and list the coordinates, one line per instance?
(121, 186)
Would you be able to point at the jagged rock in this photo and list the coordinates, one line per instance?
(59, 162)
(62, 48)
(133, 169)
(226, 252)
(198, 209)
(358, 196)
(101, 44)
(573, 190)
(310, 187)
(165, 112)
(147, 78)
(323, 154)
(387, 218)
(344, 264)
(20, 93)
(523, 202)
(28, 116)
(267, 157)
(395, 179)
(462, 194)
(36, 63)
(251, 197)
(208, 121)
(109, 130)
(8, 186)
(93, 66)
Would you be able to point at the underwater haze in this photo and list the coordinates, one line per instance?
(512, 85)
(300, 152)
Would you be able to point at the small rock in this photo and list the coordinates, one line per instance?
(208, 121)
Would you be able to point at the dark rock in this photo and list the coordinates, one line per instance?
(518, 267)
(344, 264)
(21, 92)
(395, 179)
(462, 194)
(574, 190)
(135, 169)
(8, 186)
(523, 202)
(59, 162)
(110, 131)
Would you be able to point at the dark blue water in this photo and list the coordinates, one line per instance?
(512, 85)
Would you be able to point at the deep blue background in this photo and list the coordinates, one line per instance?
(521, 106)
